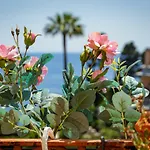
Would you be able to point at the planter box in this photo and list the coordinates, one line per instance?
(61, 144)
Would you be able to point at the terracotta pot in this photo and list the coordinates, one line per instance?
(61, 144)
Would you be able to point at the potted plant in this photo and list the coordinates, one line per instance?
(29, 115)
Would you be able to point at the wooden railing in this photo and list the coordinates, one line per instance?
(35, 144)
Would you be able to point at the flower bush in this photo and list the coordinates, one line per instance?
(26, 110)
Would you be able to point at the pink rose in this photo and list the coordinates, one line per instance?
(96, 41)
(29, 66)
(9, 53)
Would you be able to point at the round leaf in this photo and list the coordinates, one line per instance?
(130, 82)
(53, 119)
(59, 105)
(79, 120)
(70, 130)
(115, 115)
(22, 133)
(7, 128)
(83, 99)
(132, 115)
(121, 101)
(24, 120)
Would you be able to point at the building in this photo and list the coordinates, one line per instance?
(145, 72)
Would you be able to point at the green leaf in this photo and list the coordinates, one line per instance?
(65, 77)
(13, 116)
(23, 60)
(1, 77)
(53, 119)
(70, 130)
(22, 132)
(45, 58)
(83, 99)
(119, 126)
(104, 115)
(70, 71)
(24, 120)
(88, 114)
(28, 79)
(130, 82)
(7, 128)
(138, 92)
(136, 62)
(26, 94)
(130, 125)
(10, 66)
(59, 105)
(2, 63)
(2, 112)
(79, 120)
(43, 97)
(14, 89)
(121, 101)
(115, 115)
(29, 107)
(132, 115)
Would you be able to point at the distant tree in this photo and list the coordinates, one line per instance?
(67, 25)
(130, 55)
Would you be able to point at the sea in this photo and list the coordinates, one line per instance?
(54, 80)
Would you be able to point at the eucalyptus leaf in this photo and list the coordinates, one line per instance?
(13, 116)
(121, 101)
(70, 130)
(105, 116)
(130, 82)
(59, 105)
(53, 119)
(22, 132)
(138, 92)
(119, 126)
(132, 115)
(7, 128)
(79, 120)
(83, 99)
(24, 120)
(88, 114)
(2, 112)
(115, 115)
(14, 89)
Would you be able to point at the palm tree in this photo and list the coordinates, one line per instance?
(67, 25)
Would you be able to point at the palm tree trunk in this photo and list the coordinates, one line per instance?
(65, 51)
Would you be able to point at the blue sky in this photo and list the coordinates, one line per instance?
(122, 20)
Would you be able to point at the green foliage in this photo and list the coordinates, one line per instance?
(25, 111)
(83, 99)
(121, 101)
(59, 105)
(77, 123)
(132, 115)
